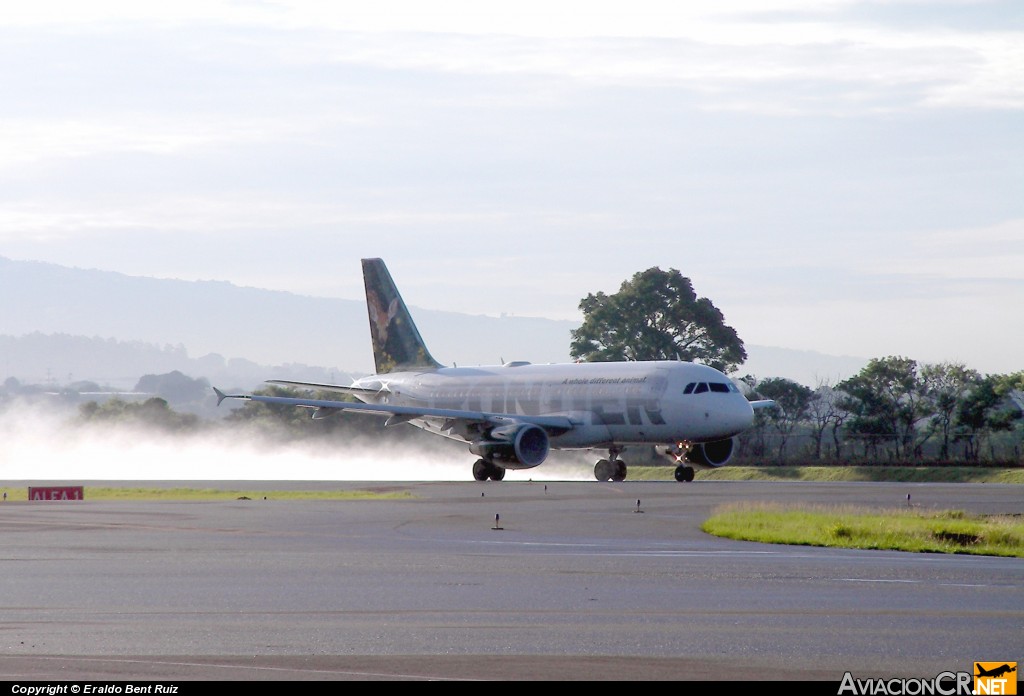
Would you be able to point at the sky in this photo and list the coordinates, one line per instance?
(838, 176)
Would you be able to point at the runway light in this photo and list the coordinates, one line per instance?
(638, 506)
(497, 519)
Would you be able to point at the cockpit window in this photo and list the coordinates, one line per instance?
(718, 387)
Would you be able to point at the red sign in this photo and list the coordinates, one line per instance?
(56, 493)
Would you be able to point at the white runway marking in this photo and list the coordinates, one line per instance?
(917, 582)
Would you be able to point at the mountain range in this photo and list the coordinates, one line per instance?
(59, 323)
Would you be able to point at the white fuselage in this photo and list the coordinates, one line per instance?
(608, 403)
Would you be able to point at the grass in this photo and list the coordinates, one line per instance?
(950, 531)
(897, 474)
(200, 494)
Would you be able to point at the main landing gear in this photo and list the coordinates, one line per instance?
(483, 470)
(611, 469)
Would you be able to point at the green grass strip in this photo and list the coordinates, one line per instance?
(200, 494)
(929, 531)
(897, 474)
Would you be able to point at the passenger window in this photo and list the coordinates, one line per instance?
(701, 388)
(689, 388)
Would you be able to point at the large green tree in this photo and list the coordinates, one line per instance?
(885, 403)
(992, 405)
(792, 403)
(946, 385)
(656, 315)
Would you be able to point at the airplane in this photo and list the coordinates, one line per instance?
(996, 672)
(512, 415)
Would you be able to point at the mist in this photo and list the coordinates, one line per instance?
(46, 444)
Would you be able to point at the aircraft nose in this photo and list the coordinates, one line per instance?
(734, 417)
(743, 415)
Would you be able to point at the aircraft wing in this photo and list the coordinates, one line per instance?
(762, 403)
(556, 424)
(322, 387)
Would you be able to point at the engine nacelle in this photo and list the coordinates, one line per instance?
(711, 453)
(514, 446)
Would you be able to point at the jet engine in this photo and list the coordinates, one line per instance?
(521, 446)
(711, 453)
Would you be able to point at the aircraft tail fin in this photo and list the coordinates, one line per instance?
(397, 344)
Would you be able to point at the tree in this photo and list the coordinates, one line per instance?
(1011, 386)
(825, 411)
(174, 386)
(946, 385)
(791, 403)
(151, 413)
(991, 406)
(886, 403)
(656, 316)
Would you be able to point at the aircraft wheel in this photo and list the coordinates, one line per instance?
(620, 470)
(497, 472)
(481, 469)
(604, 470)
(684, 473)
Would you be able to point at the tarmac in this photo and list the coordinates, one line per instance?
(489, 581)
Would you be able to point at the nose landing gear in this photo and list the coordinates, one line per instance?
(684, 472)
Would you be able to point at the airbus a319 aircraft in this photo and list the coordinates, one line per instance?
(512, 415)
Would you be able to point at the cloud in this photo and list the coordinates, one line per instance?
(793, 154)
(732, 56)
(993, 254)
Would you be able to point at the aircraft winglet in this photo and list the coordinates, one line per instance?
(221, 396)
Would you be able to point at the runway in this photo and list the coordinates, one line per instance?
(509, 580)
